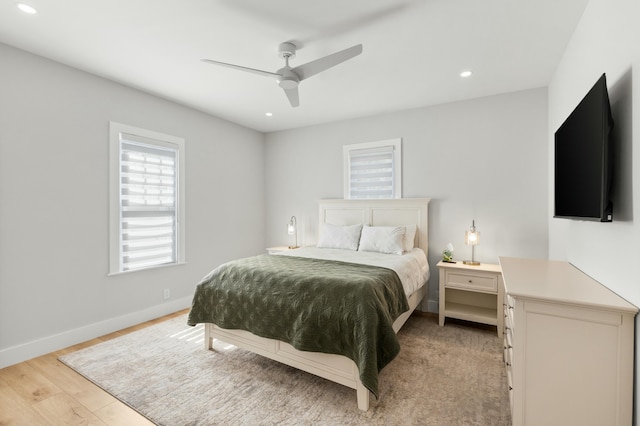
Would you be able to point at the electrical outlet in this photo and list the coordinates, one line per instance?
(166, 294)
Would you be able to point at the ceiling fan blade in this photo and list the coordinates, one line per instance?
(292, 94)
(314, 67)
(241, 68)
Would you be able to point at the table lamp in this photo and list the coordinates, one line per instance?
(472, 238)
(292, 229)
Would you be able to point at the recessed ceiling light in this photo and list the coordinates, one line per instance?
(26, 8)
(268, 114)
(465, 74)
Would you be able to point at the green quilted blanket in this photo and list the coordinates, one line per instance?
(314, 305)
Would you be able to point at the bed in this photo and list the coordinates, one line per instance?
(382, 288)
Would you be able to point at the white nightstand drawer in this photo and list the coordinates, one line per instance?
(473, 282)
(279, 249)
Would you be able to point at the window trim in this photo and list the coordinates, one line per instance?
(163, 140)
(395, 144)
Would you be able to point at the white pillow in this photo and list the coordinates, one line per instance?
(340, 237)
(409, 237)
(383, 239)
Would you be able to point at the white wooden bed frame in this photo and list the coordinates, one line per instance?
(338, 368)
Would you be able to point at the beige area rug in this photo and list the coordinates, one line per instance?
(450, 375)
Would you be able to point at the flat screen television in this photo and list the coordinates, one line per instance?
(583, 159)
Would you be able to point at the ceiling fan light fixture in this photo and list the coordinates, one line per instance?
(288, 83)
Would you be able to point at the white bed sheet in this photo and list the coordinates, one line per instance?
(412, 267)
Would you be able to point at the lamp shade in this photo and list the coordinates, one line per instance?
(292, 229)
(472, 238)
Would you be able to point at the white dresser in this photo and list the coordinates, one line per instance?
(569, 344)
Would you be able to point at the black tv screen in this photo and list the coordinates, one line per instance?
(583, 159)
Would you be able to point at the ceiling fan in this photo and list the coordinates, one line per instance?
(288, 78)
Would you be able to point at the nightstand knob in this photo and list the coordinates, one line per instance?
(470, 281)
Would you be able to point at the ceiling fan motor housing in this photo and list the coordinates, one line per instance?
(287, 50)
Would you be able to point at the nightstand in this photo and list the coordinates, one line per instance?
(274, 250)
(471, 293)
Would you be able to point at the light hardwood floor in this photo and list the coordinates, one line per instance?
(43, 391)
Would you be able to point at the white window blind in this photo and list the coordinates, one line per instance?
(147, 203)
(372, 170)
(371, 173)
(147, 229)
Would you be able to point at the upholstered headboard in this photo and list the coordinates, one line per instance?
(393, 212)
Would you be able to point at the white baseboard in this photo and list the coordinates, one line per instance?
(35, 348)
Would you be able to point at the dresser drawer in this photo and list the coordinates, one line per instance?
(510, 388)
(510, 301)
(472, 282)
(509, 314)
(508, 337)
(508, 318)
(508, 356)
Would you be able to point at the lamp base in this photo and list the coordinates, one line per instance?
(471, 262)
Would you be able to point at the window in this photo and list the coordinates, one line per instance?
(373, 170)
(146, 199)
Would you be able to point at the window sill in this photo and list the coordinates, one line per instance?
(150, 268)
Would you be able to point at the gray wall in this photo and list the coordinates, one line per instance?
(483, 159)
(606, 40)
(54, 126)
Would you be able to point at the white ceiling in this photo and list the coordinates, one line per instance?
(413, 52)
